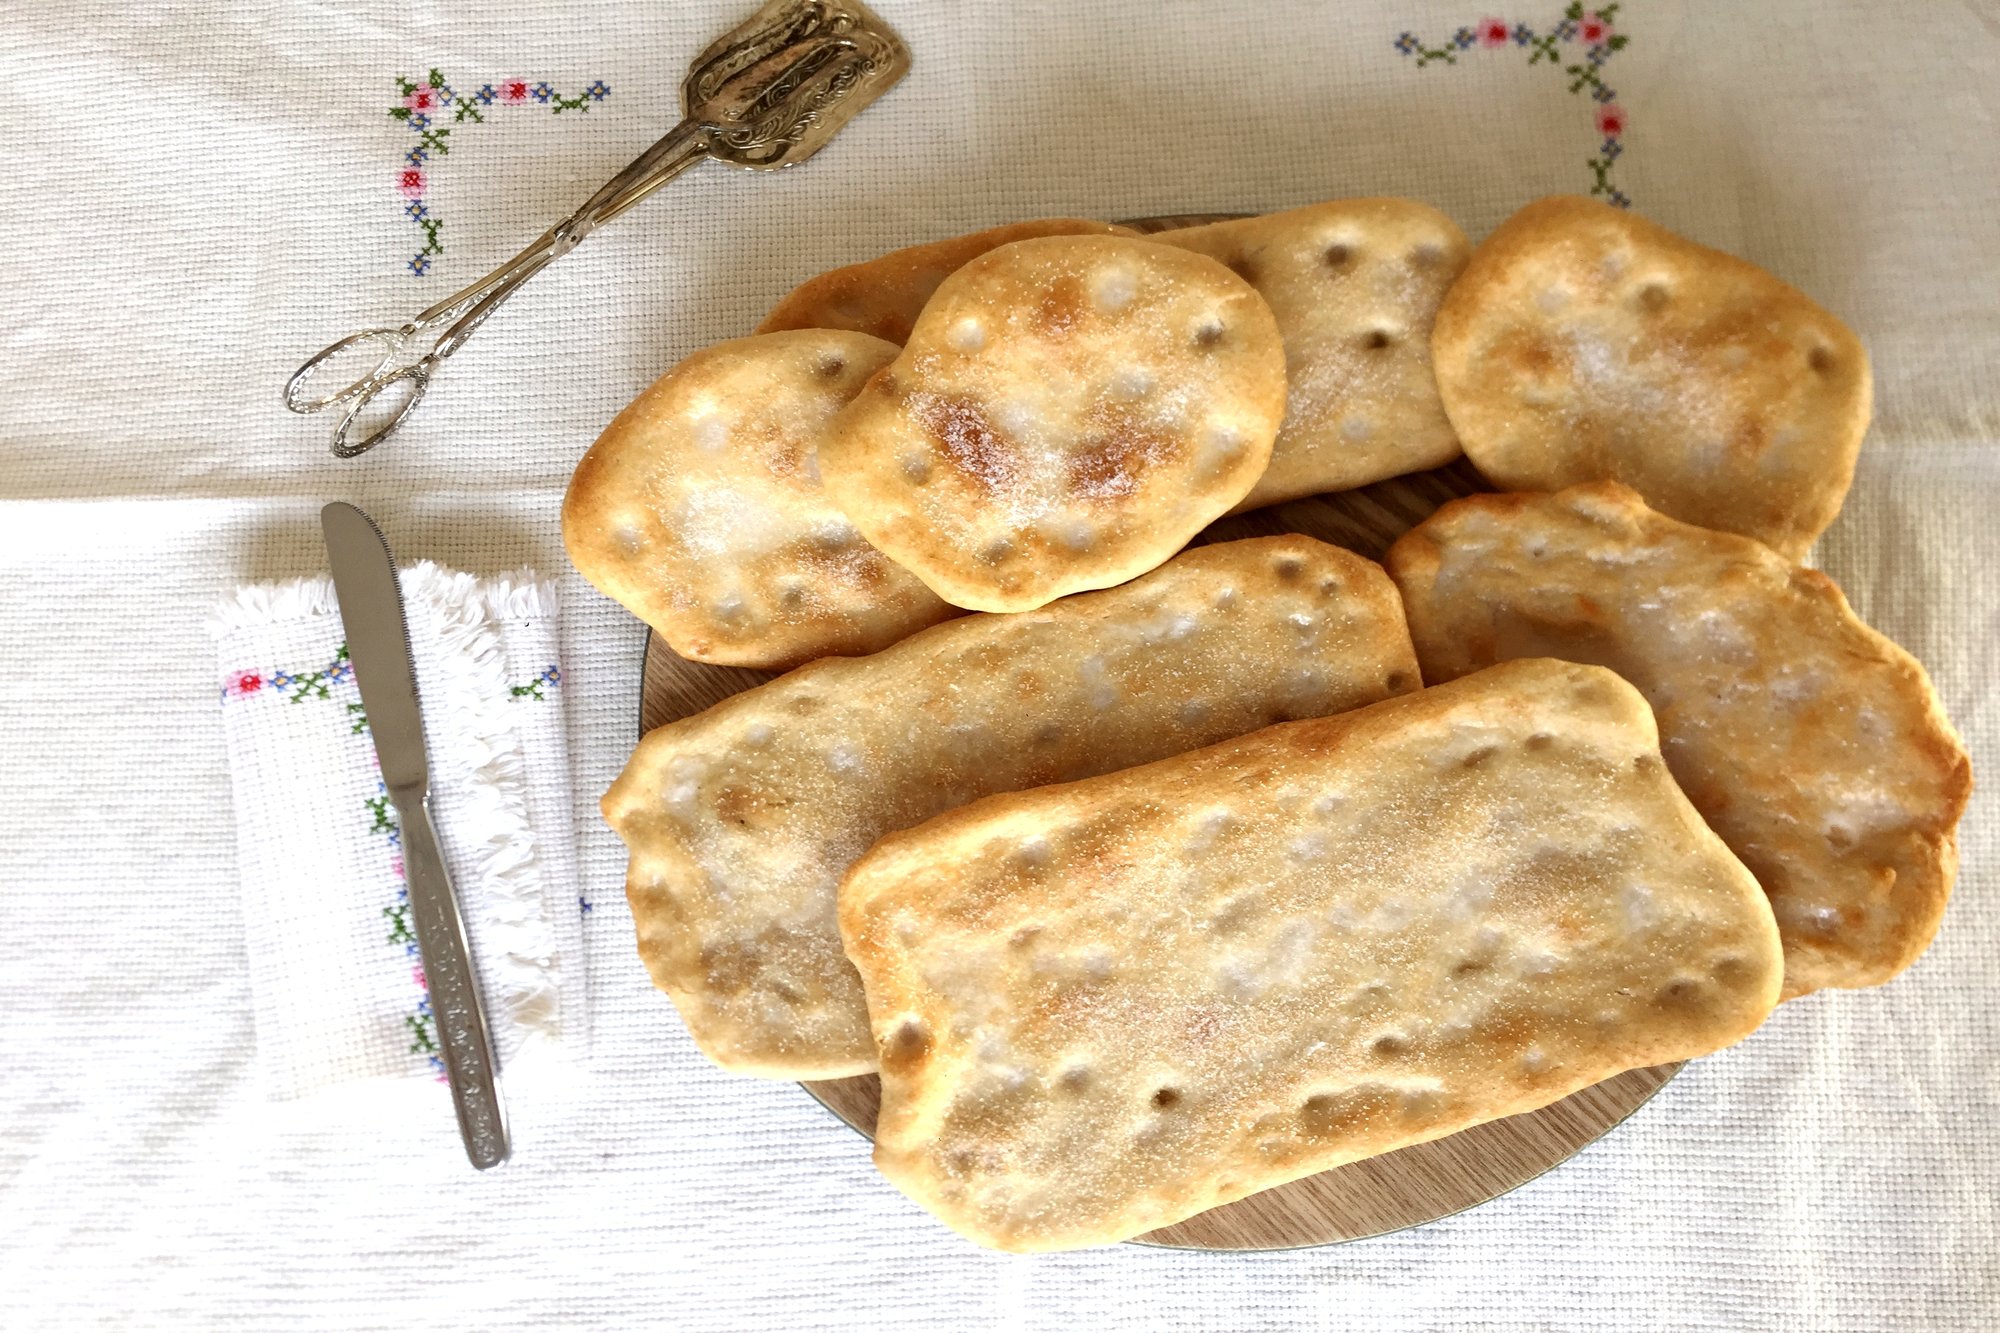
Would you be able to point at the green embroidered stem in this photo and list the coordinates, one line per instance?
(399, 924)
(379, 807)
(420, 1028)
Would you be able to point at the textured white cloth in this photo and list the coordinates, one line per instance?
(335, 973)
(200, 195)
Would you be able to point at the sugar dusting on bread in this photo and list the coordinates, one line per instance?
(741, 820)
(1583, 343)
(700, 509)
(1814, 746)
(1104, 1006)
(1066, 413)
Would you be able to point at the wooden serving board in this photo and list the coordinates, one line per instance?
(1367, 1198)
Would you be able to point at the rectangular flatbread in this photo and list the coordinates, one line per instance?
(742, 819)
(1106, 1006)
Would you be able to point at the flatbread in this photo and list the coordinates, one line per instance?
(1812, 744)
(1106, 1006)
(742, 819)
(1584, 343)
(1355, 285)
(700, 510)
(883, 296)
(1067, 413)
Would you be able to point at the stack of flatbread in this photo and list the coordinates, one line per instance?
(1174, 872)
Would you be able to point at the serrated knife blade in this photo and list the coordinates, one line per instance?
(378, 645)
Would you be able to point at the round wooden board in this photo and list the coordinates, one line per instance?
(1367, 1198)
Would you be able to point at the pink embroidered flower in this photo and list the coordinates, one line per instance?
(411, 182)
(1594, 28)
(1493, 32)
(245, 682)
(422, 100)
(1611, 120)
(396, 864)
(417, 975)
(514, 90)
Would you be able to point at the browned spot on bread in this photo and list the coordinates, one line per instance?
(968, 441)
(1060, 308)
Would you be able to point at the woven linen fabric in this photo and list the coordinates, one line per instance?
(202, 194)
(335, 971)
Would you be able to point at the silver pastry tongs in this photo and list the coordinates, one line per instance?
(768, 94)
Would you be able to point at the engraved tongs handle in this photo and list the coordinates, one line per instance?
(767, 94)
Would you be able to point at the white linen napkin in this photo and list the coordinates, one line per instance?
(337, 983)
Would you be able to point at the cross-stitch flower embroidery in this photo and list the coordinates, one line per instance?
(433, 110)
(1583, 70)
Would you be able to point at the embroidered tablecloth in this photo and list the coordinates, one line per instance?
(200, 195)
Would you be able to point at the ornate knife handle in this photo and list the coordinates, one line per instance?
(768, 94)
(455, 1004)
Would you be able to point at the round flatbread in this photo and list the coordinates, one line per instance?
(1067, 413)
(700, 510)
(1583, 343)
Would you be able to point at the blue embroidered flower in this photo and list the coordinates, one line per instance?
(1523, 34)
(1566, 30)
(485, 95)
(1603, 94)
(1613, 149)
(598, 91)
(419, 123)
(542, 92)
(417, 156)
(1464, 38)
(1619, 200)
(1407, 43)
(419, 265)
(416, 210)
(1596, 57)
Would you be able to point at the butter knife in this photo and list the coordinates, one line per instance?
(378, 644)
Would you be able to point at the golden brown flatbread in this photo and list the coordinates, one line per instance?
(742, 819)
(883, 296)
(1813, 745)
(1355, 285)
(1106, 1006)
(1067, 413)
(1584, 343)
(700, 510)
